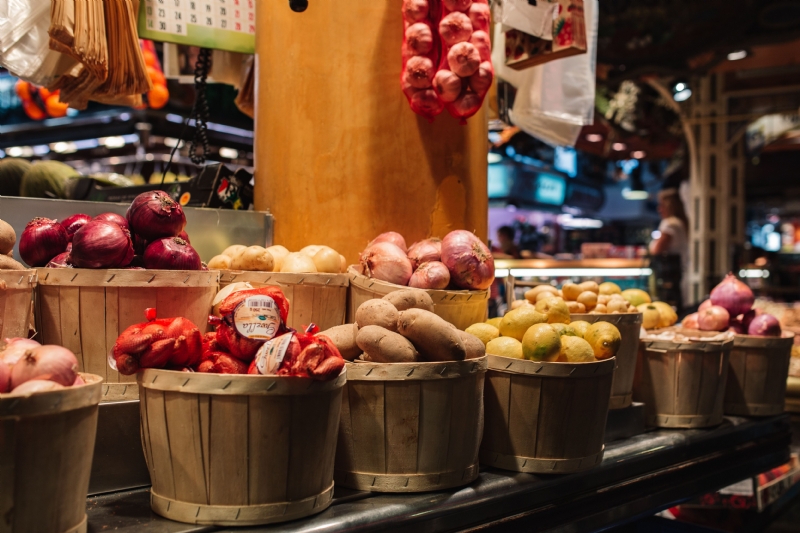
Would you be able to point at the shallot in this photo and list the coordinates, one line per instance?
(455, 28)
(733, 295)
(419, 38)
(419, 72)
(50, 362)
(457, 5)
(765, 326)
(480, 40)
(15, 349)
(101, 244)
(425, 251)
(73, 223)
(119, 220)
(392, 237)
(482, 79)
(479, 15)
(690, 321)
(431, 275)
(171, 253)
(705, 305)
(36, 385)
(469, 260)
(715, 318)
(464, 59)
(415, 10)
(154, 215)
(386, 262)
(447, 85)
(41, 240)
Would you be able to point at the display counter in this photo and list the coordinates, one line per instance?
(638, 477)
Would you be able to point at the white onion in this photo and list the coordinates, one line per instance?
(386, 262)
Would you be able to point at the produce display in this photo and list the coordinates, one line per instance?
(151, 236)
(27, 367)
(7, 239)
(311, 259)
(730, 307)
(446, 56)
(402, 328)
(459, 261)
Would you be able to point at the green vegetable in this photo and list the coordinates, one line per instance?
(11, 172)
(47, 179)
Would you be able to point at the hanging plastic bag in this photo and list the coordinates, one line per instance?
(536, 20)
(556, 99)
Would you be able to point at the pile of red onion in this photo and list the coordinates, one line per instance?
(26, 367)
(459, 261)
(730, 307)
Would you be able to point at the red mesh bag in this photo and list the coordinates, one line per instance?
(250, 318)
(299, 354)
(421, 56)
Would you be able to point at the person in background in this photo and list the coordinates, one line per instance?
(674, 234)
(506, 247)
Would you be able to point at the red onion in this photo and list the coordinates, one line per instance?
(15, 349)
(386, 262)
(41, 240)
(736, 327)
(765, 326)
(50, 362)
(36, 385)
(155, 215)
(172, 253)
(425, 251)
(431, 275)
(101, 244)
(469, 260)
(705, 305)
(733, 295)
(690, 321)
(60, 261)
(73, 223)
(392, 237)
(185, 236)
(715, 318)
(747, 318)
(119, 220)
(69, 247)
(5, 377)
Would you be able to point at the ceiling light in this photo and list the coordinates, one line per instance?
(229, 153)
(638, 154)
(629, 194)
(112, 142)
(619, 146)
(737, 55)
(594, 137)
(681, 91)
(494, 158)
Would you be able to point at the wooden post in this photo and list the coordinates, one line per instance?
(340, 157)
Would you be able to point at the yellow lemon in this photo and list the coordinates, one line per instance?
(609, 288)
(580, 327)
(636, 297)
(485, 332)
(604, 338)
(668, 315)
(495, 321)
(505, 347)
(564, 329)
(575, 350)
(539, 289)
(650, 316)
(517, 322)
(556, 310)
(541, 343)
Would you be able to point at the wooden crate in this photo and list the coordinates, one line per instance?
(629, 325)
(86, 310)
(46, 443)
(546, 418)
(410, 427)
(317, 298)
(759, 368)
(460, 308)
(16, 290)
(682, 384)
(238, 450)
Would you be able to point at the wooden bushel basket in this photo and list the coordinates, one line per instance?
(16, 291)
(86, 310)
(682, 384)
(629, 326)
(317, 298)
(238, 450)
(460, 308)
(759, 368)
(545, 418)
(46, 443)
(410, 427)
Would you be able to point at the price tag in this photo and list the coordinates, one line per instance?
(270, 356)
(257, 317)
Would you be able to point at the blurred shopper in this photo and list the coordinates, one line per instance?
(673, 241)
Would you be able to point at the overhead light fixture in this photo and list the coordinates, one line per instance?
(619, 146)
(112, 142)
(630, 194)
(570, 222)
(593, 137)
(230, 153)
(638, 154)
(737, 55)
(681, 91)
(493, 158)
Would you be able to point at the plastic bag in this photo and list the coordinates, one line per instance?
(536, 20)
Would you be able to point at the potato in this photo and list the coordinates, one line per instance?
(519, 303)
(327, 260)
(576, 307)
(544, 295)
(590, 286)
(603, 299)
(384, 346)
(377, 313)
(344, 337)
(8, 263)
(600, 309)
(434, 337)
(532, 294)
(474, 346)
(298, 263)
(588, 299)
(571, 291)
(618, 305)
(410, 299)
(312, 249)
(220, 262)
(233, 250)
(253, 258)
(7, 237)
(278, 253)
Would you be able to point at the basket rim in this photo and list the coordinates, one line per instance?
(286, 278)
(89, 277)
(235, 384)
(417, 371)
(53, 402)
(8, 276)
(555, 369)
(740, 339)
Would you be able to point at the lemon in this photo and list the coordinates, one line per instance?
(541, 343)
(651, 317)
(636, 297)
(580, 327)
(556, 310)
(517, 322)
(505, 347)
(495, 321)
(575, 350)
(484, 332)
(604, 338)
(563, 329)
(667, 313)
(609, 288)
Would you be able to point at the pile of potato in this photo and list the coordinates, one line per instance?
(7, 239)
(311, 259)
(402, 328)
